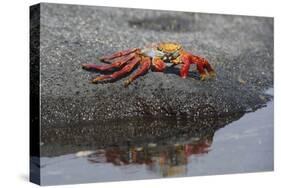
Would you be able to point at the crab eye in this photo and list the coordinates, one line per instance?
(160, 49)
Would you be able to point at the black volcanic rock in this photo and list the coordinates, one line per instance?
(240, 48)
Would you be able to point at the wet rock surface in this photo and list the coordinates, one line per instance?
(239, 48)
(135, 132)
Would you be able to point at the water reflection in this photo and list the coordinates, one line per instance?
(164, 145)
(160, 147)
(165, 160)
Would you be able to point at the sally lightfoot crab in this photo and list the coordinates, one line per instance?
(156, 57)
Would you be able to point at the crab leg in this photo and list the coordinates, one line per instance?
(144, 67)
(116, 64)
(118, 54)
(126, 69)
(185, 66)
(202, 64)
(201, 70)
(209, 69)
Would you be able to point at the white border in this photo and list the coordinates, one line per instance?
(14, 92)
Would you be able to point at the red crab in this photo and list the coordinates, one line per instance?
(155, 58)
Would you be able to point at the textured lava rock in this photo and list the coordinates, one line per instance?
(239, 47)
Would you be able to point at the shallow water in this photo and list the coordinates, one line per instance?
(244, 145)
